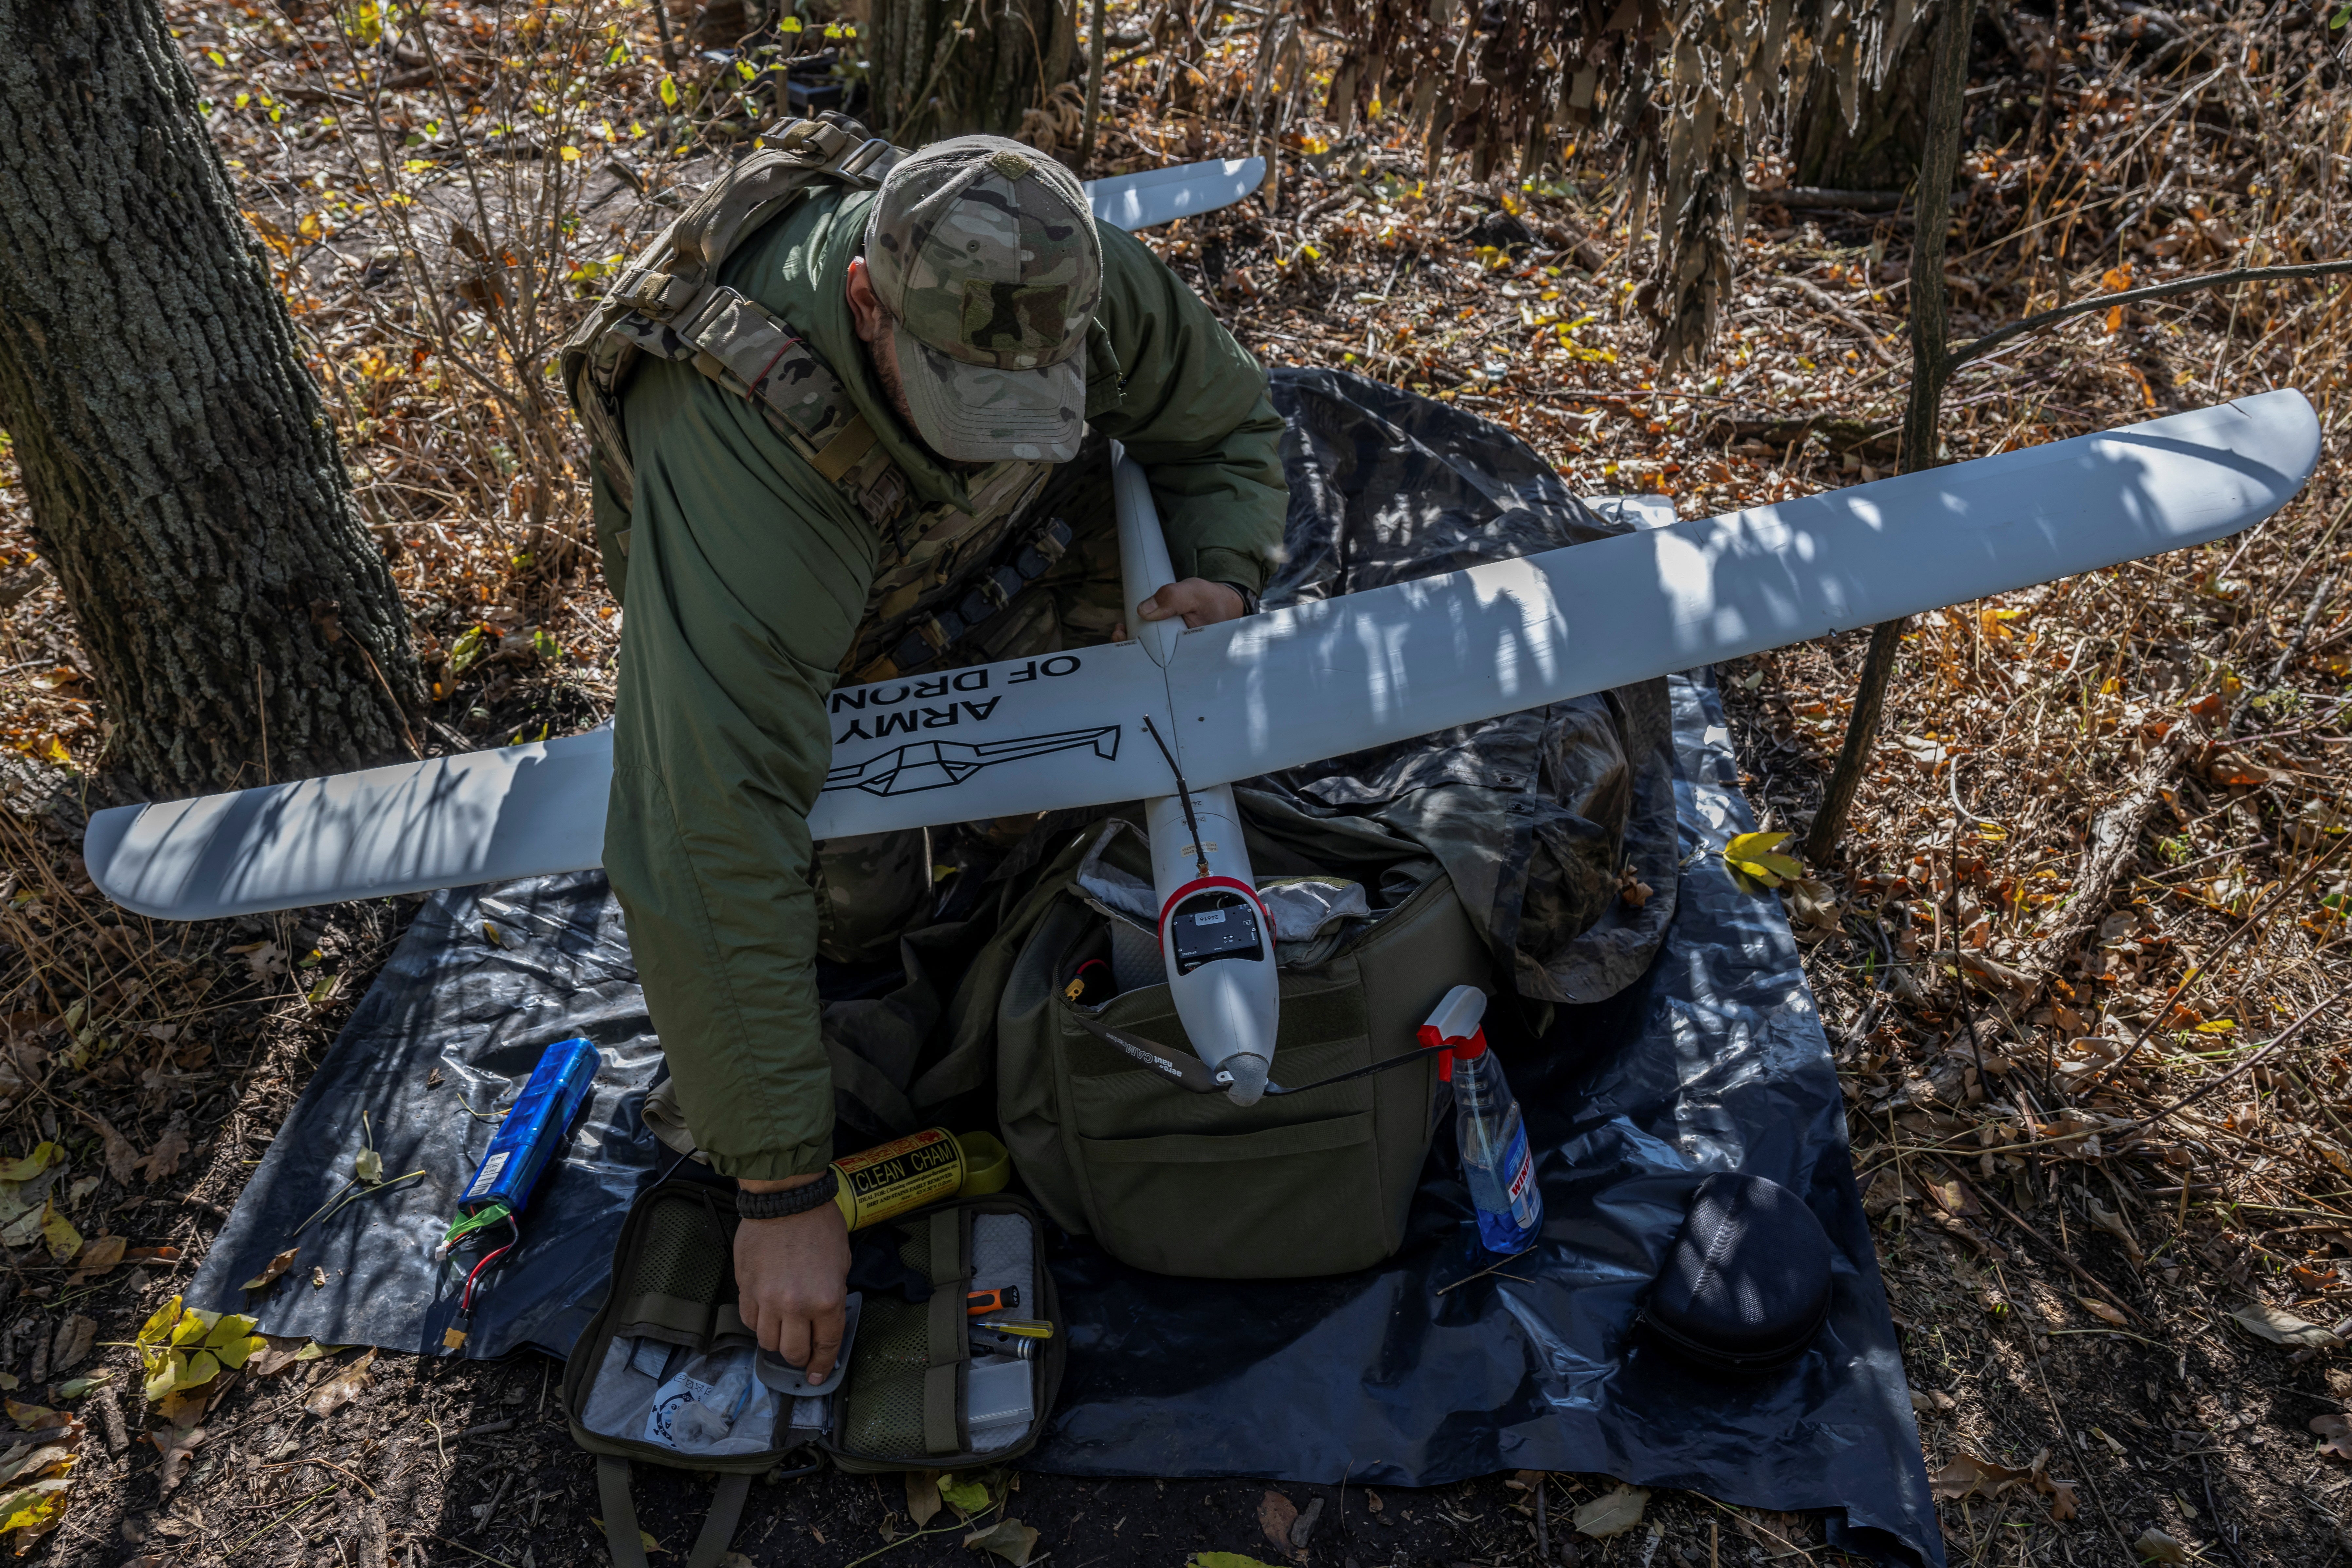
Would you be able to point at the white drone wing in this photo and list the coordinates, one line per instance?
(1274, 691)
(1163, 196)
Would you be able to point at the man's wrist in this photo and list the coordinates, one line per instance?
(780, 1184)
(781, 1201)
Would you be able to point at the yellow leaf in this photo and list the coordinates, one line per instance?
(1753, 856)
(570, 155)
(201, 1368)
(43, 1156)
(35, 1508)
(644, 1536)
(1748, 845)
(789, 25)
(156, 1329)
(164, 1378)
(193, 1325)
(2217, 1025)
(232, 1327)
(65, 1241)
(668, 92)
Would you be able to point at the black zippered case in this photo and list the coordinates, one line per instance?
(1746, 1284)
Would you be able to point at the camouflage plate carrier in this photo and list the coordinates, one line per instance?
(942, 570)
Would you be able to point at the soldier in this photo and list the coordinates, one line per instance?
(907, 483)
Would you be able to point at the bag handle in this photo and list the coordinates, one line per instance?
(628, 1547)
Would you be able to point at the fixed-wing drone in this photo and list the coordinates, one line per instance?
(1175, 717)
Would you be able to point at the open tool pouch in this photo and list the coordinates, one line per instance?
(1298, 1184)
(666, 1373)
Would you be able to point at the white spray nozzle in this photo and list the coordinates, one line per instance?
(1457, 1015)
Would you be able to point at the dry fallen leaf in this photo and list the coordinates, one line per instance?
(75, 1337)
(1615, 1514)
(169, 1149)
(185, 1407)
(178, 1447)
(2102, 1311)
(2106, 1219)
(122, 1158)
(922, 1496)
(318, 1277)
(1968, 1475)
(341, 1389)
(2335, 1435)
(270, 1275)
(2268, 1322)
(98, 1256)
(1008, 1538)
(278, 1353)
(1276, 1515)
(2158, 1547)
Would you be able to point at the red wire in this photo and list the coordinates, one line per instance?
(465, 1300)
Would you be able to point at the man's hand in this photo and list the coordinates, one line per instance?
(1200, 602)
(793, 1278)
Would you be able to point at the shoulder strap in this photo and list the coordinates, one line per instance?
(666, 303)
(628, 1547)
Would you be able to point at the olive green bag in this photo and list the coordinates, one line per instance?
(1296, 1185)
(668, 1335)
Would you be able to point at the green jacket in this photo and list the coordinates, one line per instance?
(746, 574)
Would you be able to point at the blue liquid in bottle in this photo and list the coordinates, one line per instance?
(1495, 1157)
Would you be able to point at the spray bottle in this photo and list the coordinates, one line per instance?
(1495, 1162)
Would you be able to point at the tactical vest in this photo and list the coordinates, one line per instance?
(941, 570)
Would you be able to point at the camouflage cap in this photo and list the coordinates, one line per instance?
(985, 255)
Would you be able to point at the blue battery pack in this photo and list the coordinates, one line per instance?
(533, 1128)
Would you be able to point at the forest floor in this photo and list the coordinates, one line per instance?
(2117, 1310)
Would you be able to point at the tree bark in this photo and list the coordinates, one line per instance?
(1931, 366)
(1882, 149)
(948, 68)
(183, 479)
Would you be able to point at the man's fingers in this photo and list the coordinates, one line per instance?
(825, 1347)
(791, 1339)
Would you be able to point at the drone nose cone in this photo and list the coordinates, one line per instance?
(1248, 1072)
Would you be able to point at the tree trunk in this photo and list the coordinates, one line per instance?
(927, 80)
(183, 479)
(1931, 367)
(1880, 151)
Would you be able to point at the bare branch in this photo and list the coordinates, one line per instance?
(1992, 340)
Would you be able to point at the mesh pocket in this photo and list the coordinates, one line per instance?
(885, 1413)
(682, 1253)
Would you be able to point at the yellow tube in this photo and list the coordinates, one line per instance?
(918, 1169)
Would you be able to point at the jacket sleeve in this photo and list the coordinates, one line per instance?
(1195, 414)
(746, 578)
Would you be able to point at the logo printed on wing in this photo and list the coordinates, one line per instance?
(895, 719)
(941, 764)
